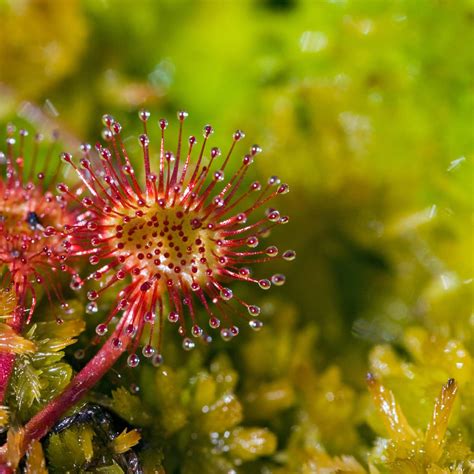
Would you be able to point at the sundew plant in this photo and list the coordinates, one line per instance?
(175, 298)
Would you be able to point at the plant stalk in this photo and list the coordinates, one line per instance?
(7, 359)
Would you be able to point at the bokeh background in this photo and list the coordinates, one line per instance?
(365, 108)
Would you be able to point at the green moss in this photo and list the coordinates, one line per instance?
(71, 450)
(41, 374)
(129, 407)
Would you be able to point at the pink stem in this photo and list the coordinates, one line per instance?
(7, 359)
(7, 362)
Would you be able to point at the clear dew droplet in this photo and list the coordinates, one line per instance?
(92, 295)
(148, 351)
(173, 317)
(273, 180)
(92, 307)
(226, 334)
(196, 330)
(116, 343)
(182, 115)
(214, 322)
(289, 255)
(208, 130)
(252, 241)
(157, 360)
(239, 135)
(278, 279)
(107, 134)
(144, 115)
(133, 360)
(272, 251)
(144, 140)
(101, 329)
(219, 175)
(273, 216)
(218, 201)
(188, 344)
(255, 324)
(149, 317)
(131, 330)
(253, 310)
(226, 294)
(76, 283)
(107, 120)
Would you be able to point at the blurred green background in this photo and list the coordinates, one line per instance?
(364, 107)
